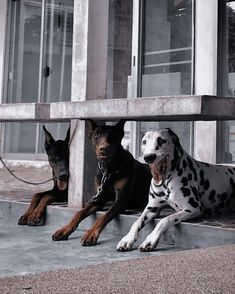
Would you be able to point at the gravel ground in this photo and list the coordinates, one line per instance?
(210, 270)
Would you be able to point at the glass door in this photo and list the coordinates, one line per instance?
(39, 66)
(163, 61)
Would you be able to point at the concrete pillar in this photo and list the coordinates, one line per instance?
(3, 34)
(206, 35)
(89, 72)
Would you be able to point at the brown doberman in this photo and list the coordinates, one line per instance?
(58, 157)
(119, 178)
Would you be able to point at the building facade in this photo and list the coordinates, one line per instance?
(69, 50)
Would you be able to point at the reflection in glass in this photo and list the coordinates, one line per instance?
(227, 76)
(119, 47)
(40, 65)
(167, 57)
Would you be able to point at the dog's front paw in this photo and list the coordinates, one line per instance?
(61, 234)
(125, 244)
(23, 220)
(147, 245)
(36, 219)
(90, 238)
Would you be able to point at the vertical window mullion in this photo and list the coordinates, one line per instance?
(40, 74)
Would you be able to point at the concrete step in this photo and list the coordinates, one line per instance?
(186, 235)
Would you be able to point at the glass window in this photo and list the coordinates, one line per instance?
(167, 47)
(119, 47)
(39, 65)
(226, 78)
(166, 57)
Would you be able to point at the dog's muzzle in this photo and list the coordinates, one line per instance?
(158, 167)
(62, 181)
(150, 158)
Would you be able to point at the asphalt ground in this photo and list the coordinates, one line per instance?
(204, 271)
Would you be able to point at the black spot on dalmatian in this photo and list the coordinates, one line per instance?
(184, 164)
(153, 209)
(176, 205)
(212, 196)
(188, 210)
(231, 171)
(160, 194)
(195, 193)
(184, 181)
(176, 220)
(206, 185)
(162, 201)
(192, 202)
(190, 177)
(202, 180)
(160, 141)
(180, 172)
(151, 194)
(191, 167)
(232, 183)
(145, 218)
(186, 191)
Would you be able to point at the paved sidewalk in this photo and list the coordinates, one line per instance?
(201, 271)
(25, 250)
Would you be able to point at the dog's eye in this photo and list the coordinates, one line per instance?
(54, 158)
(144, 142)
(160, 141)
(97, 135)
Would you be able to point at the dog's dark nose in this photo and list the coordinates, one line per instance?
(104, 149)
(63, 176)
(149, 158)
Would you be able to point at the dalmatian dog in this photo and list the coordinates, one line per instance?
(190, 187)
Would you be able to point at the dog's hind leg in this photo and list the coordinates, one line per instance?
(151, 211)
(152, 239)
(38, 216)
(23, 220)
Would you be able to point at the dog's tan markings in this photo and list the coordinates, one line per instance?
(121, 183)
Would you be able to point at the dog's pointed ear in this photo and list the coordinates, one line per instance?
(176, 142)
(49, 140)
(120, 124)
(67, 136)
(92, 126)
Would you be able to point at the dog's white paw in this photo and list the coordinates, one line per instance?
(125, 244)
(148, 245)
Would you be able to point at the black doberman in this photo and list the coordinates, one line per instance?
(119, 178)
(58, 157)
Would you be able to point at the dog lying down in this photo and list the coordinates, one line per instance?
(190, 187)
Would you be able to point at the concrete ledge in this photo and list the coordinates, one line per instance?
(167, 108)
(185, 235)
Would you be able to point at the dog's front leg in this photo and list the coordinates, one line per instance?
(23, 220)
(152, 240)
(91, 236)
(151, 211)
(67, 230)
(38, 216)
